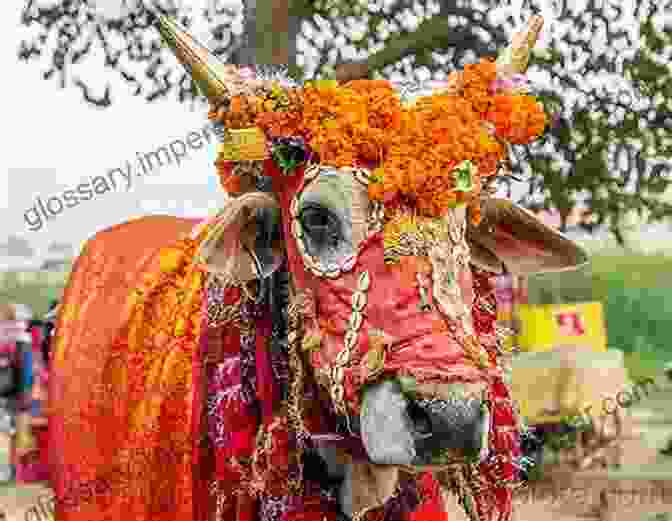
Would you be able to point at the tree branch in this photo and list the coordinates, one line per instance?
(435, 33)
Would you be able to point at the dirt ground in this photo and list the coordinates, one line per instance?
(585, 501)
(628, 501)
(637, 491)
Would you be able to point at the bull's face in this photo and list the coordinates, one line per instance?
(386, 295)
(392, 309)
(387, 300)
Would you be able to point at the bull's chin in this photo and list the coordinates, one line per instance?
(421, 434)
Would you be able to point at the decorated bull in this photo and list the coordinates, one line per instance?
(325, 346)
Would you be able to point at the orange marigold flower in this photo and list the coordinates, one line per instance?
(236, 104)
(414, 147)
(376, 191)
(231, 184)
(369, 85)
(518, 119)
(475, 213)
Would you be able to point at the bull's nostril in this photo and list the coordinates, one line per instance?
(422, 423)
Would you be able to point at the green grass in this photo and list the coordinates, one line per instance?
(637, 269)
(636, 292)
(643, 365)
(658, 517)
(36, 294)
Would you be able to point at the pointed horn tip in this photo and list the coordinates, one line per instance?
(165, 26)
(211, 76)
(536, 25)
(536, 20)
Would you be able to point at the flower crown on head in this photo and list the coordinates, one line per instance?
(432, 145)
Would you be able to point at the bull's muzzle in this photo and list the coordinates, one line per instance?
(399, 429)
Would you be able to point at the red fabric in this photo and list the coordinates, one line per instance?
(432, 507)
(266, 390)
(429, 515)
(498, 472)
(42, 438)
(420, 347)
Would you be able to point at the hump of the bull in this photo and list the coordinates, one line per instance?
(94, 315)
(119, 258)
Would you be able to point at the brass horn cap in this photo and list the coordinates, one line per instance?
(210, 75)
(516, 56)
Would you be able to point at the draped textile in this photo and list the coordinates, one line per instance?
(120, 388)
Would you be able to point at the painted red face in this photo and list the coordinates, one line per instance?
(385, 294)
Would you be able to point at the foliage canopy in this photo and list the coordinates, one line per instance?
(605, 68)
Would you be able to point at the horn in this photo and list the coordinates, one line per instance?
(516, 56)
(213, 78)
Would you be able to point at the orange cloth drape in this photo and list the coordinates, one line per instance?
(121, 384)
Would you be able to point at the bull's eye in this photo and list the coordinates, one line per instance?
(322, 227)
(324, 236)
(330, 215)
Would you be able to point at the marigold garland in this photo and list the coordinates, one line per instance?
(414, 150)
(519, 119)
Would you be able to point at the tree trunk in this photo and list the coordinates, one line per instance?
(270, 34)
(352, 71)
(564, 217)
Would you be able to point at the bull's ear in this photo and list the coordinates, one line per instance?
(238, 245)
(511, 236)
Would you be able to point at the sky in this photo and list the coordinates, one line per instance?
(53, 141)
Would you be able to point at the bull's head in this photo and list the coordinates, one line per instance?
(384, 278)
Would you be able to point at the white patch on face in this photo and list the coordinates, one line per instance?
(386, 429)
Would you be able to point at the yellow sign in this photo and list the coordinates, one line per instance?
(543, 328)
(546, 383)
(245, 144)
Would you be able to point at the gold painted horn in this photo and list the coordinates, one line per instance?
(516, 57)
(213, 78)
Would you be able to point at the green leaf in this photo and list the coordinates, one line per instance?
(464, 177)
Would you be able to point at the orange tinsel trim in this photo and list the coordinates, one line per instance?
(376, 192)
